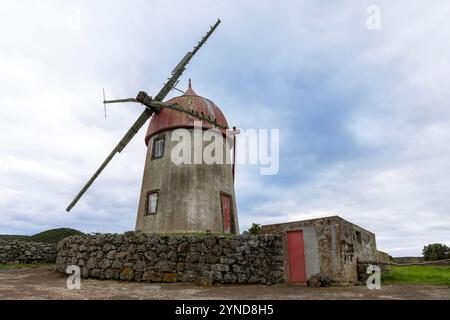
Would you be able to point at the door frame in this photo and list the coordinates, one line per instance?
(232, 218)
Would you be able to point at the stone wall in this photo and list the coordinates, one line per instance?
(154, 258)
(403, 260)
(19, 252)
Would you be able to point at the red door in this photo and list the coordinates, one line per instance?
(296, 254)
(225, 202)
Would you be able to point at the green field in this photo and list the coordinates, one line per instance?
(425, 275)
(22, 266)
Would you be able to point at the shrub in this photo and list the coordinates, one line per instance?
(255, 229)
(436, 251)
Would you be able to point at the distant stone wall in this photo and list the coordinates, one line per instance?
(21, 252)
(404, 260)
(154, 258)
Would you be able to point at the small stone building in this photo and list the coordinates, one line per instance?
(330, 247)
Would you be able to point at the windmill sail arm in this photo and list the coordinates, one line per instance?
(91, 180)
(137, 125)
(147, 101)
(120, 146)
(179, 69)
(120, 101)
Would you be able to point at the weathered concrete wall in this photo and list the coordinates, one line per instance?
(153, 258)
(383, 257)
(19, 252)
(312, 259)
(355, 244)
(332, 246)
(189, 194)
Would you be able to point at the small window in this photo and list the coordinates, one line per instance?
(152, 202)
(158, 148)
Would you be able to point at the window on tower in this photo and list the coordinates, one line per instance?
(152, 202)
(158, 148)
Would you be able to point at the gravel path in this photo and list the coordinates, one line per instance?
(44, 283)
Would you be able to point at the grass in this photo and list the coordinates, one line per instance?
(23, 266)
(422, 275)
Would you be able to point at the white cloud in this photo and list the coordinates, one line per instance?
(399, 189)
(268, 65)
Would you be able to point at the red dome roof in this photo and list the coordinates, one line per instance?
(168, 119)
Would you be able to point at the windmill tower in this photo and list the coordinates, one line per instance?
(179, 197)
(186, 197)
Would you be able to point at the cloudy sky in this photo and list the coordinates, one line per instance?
(364, 114)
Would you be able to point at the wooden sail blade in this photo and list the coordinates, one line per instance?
(120, 146)
(146, 100)
(179, 69)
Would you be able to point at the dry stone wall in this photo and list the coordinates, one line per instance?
(154, 258)
(20, 252)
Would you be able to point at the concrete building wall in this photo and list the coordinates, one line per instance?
(333, 246)
(312, 258)
(355, 243)
(189, 194)
(383, 257)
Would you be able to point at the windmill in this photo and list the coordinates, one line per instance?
(178, 198)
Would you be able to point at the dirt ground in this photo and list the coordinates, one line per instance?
(44, 283)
